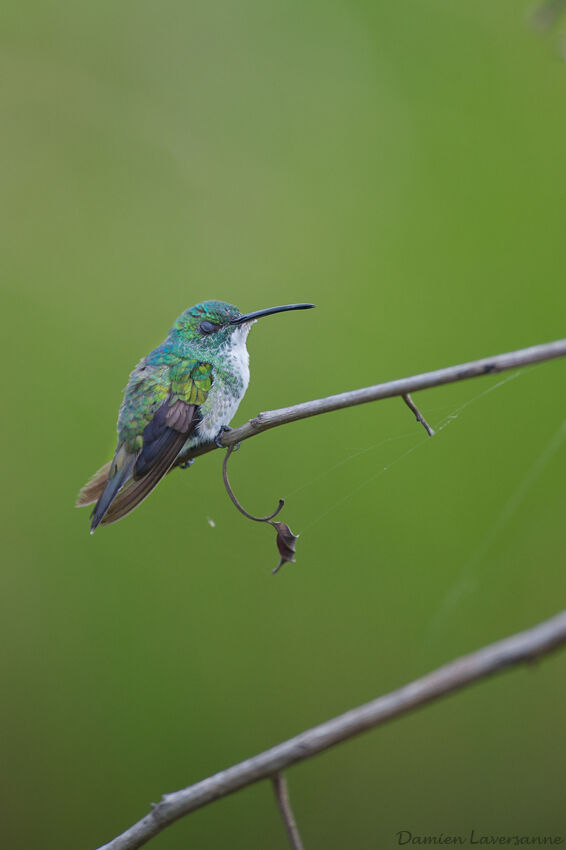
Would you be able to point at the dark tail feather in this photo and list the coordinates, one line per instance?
(112, 489)
(136, 490)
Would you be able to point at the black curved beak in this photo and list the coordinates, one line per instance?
(248, 317)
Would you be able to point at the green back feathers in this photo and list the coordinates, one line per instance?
(152, 384)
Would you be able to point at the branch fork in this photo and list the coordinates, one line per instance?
(523, 647)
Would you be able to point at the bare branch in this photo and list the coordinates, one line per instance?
(524, 646)
(401, 387)
(284, 803)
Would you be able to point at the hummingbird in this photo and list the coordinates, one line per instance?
(184, 393)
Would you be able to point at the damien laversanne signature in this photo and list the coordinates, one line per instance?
(405, 836)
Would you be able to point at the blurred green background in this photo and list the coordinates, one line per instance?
(401, 165)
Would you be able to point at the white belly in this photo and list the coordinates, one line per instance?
(230, 381)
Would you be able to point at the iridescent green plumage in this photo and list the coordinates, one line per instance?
(163, 377)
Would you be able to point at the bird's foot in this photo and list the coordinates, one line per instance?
(187, 463)
(223, 429)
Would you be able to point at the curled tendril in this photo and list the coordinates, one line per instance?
(235, 500)
(285, 537)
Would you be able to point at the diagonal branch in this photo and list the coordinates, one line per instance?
(401, 387)
(524, 646)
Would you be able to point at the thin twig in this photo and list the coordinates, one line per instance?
(524, 646)
(451, 374)
(233, 495)
(420, 418)
(284, 803)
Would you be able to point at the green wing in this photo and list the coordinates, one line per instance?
(159, 413)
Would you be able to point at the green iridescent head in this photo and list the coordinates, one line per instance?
(213, 323)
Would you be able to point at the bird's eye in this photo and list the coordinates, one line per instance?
(208, 327)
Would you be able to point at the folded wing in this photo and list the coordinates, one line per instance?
(160, 412)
